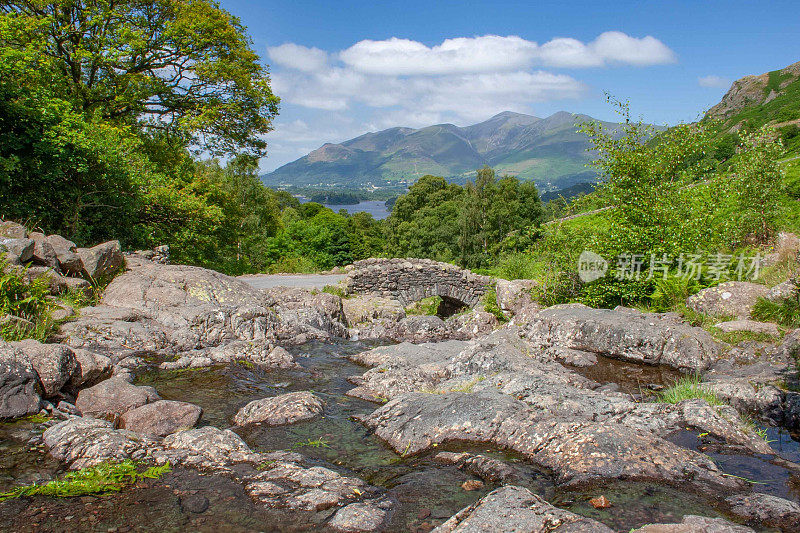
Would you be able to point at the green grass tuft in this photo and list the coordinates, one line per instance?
(785, 313)
(313, 443)
(105, 477)
(688, 388)
(335, 290)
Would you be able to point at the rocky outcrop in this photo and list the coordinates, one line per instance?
(410, 280)
(280, 410)
(501, 389)
(512, 508)
(85, 442)
(622, 333)
(730, 299)
(161, 418)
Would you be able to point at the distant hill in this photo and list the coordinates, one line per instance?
(770, 98)
(547, 150)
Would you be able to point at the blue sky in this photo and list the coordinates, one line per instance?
(345, 68)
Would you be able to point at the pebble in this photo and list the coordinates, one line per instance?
(472, 484)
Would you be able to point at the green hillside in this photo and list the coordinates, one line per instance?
(548, 151)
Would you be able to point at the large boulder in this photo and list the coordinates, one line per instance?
(782, 291)
(625, 334)
(161, 418)
(362, 309)
(92, 368)
(280, 410)
(216, 307)
(113, 397)
(516, 509)
(19, 384)
(512, 296)
(12, 230)
(209, 447)
(85, 442)
(43, 252)
(17, 250)
(54, 363)
(730, 299)
(69, 261)
(103, 260)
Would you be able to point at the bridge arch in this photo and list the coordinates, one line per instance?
(410, 280)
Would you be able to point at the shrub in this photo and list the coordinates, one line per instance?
(490, 305)
(24, 300)
(671, 292)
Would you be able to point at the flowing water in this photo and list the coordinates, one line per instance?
(428, 491)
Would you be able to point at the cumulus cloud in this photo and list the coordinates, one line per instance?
(493, 53)
(298, 57)
(716, 82)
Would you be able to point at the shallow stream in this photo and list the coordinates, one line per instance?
(428, 492)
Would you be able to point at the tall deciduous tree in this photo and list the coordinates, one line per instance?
(181, 66)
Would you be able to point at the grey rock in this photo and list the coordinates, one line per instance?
(473, 324)
(19, 384)
(113, 397)
(43, 252)
(161, 418)
(12, 230)
(84, 442)
(750, 326)
(766, 510)
(366, 308)
(730, 299)
(514, 509)
(208, 447)
(695, 524)
(280, 410)
(69, 261)
(360, 517)
(782, 291)
(513, 296)
(54, 363)
(102, 261)
(20, 249)
(629, 335)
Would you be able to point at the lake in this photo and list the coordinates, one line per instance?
(376, 208)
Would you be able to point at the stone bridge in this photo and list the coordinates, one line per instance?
(410, 280)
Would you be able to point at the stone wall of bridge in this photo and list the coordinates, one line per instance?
(410, 280)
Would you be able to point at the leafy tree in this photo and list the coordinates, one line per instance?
(756, 183)
(184, 67)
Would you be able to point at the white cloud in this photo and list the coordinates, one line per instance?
(493, 53)
(716, 82)
(400, 57)
(298, 57)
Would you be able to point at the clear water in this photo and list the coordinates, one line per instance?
(427, 491)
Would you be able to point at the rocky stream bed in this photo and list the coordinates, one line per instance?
(297, 410)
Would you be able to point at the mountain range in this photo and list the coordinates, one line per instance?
(548, 151)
